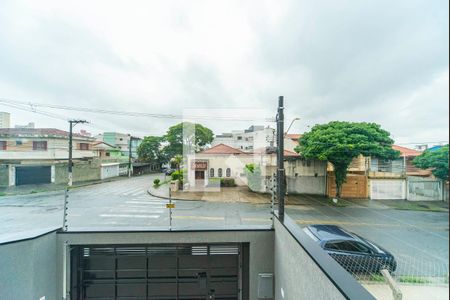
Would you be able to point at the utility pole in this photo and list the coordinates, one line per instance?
(72, 123)
(280, 159)
(69, 168)
(129, 156)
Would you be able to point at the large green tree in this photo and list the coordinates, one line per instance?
(150, 150)
(340, 142)
(436, 160)
(190, 137)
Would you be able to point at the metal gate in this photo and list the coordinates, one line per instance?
(33, 175)
(156, 272)
(387, 189)
(424, 189)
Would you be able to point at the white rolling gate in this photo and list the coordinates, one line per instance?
(424, 189)
(388, 189)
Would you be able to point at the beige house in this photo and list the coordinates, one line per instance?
(39, 155)
(220, 161)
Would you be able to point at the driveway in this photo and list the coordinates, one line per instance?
(419, 240)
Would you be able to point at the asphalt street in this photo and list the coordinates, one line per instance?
(419, 240)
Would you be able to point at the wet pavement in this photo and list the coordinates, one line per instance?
(419, 240)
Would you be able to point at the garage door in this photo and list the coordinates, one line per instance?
(156, 272)
(33, 175)
(389, 189)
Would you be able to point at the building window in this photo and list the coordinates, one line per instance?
(84, 146)
(219, 172)
(211, 172)
(40, 146)
(108, 154)
(2, 145)
(228, 172)
(239, 138)
(18, 143)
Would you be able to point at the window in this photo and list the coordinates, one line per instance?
(348, 246)
(211, 172)
(239, 138)
(228, 172)
(40, 145)
(108, 154)
(219, 172)
(84, 146)
(18, 143)
(2, 145)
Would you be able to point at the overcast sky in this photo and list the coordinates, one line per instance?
(377, 61)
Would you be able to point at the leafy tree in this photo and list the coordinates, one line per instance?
(150, 150)
(340, 142)
(436, 160)
(177, 160)
(186, 136)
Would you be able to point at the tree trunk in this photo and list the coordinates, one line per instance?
(338, 190)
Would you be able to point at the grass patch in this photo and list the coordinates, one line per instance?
(376, 277)
(413, 279)
(2, 194)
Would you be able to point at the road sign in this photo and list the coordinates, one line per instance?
(170, 205)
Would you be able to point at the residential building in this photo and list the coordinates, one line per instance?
(29, 125)
(39, 155)
(223, 161)
(256, 136)
(121, 141)
(5, 119)
(291, 141)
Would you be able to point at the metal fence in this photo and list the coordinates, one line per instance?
(424, 189)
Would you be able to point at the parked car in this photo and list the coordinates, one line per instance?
(353, 252)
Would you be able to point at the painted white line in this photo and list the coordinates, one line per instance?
(151, 210)
(145, 202)
(129, 216)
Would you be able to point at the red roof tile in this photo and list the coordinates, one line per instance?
(222, 149)
(38, 132)
(406, 151)
(288, 153)
(294, 136)
(264, 150)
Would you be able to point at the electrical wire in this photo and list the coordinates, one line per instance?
(133, 114)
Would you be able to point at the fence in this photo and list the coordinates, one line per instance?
(424, 189)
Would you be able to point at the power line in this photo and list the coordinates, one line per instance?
(133, 114)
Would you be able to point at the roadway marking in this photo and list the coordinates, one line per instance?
(145, 202)
(129, 216)
(152, 210)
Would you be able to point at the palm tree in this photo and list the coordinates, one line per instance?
(177, 160)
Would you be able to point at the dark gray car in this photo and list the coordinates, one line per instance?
(351, 251)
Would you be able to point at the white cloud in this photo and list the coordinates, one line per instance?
(379, 61)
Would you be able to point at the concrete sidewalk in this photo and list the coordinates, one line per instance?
(39, 188)
(243, 194)
(409, 291)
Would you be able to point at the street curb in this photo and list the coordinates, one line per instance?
(178, 199)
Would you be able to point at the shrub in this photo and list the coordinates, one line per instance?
(250, 167)
(227, 182)
(177, 175)
(156, 182)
